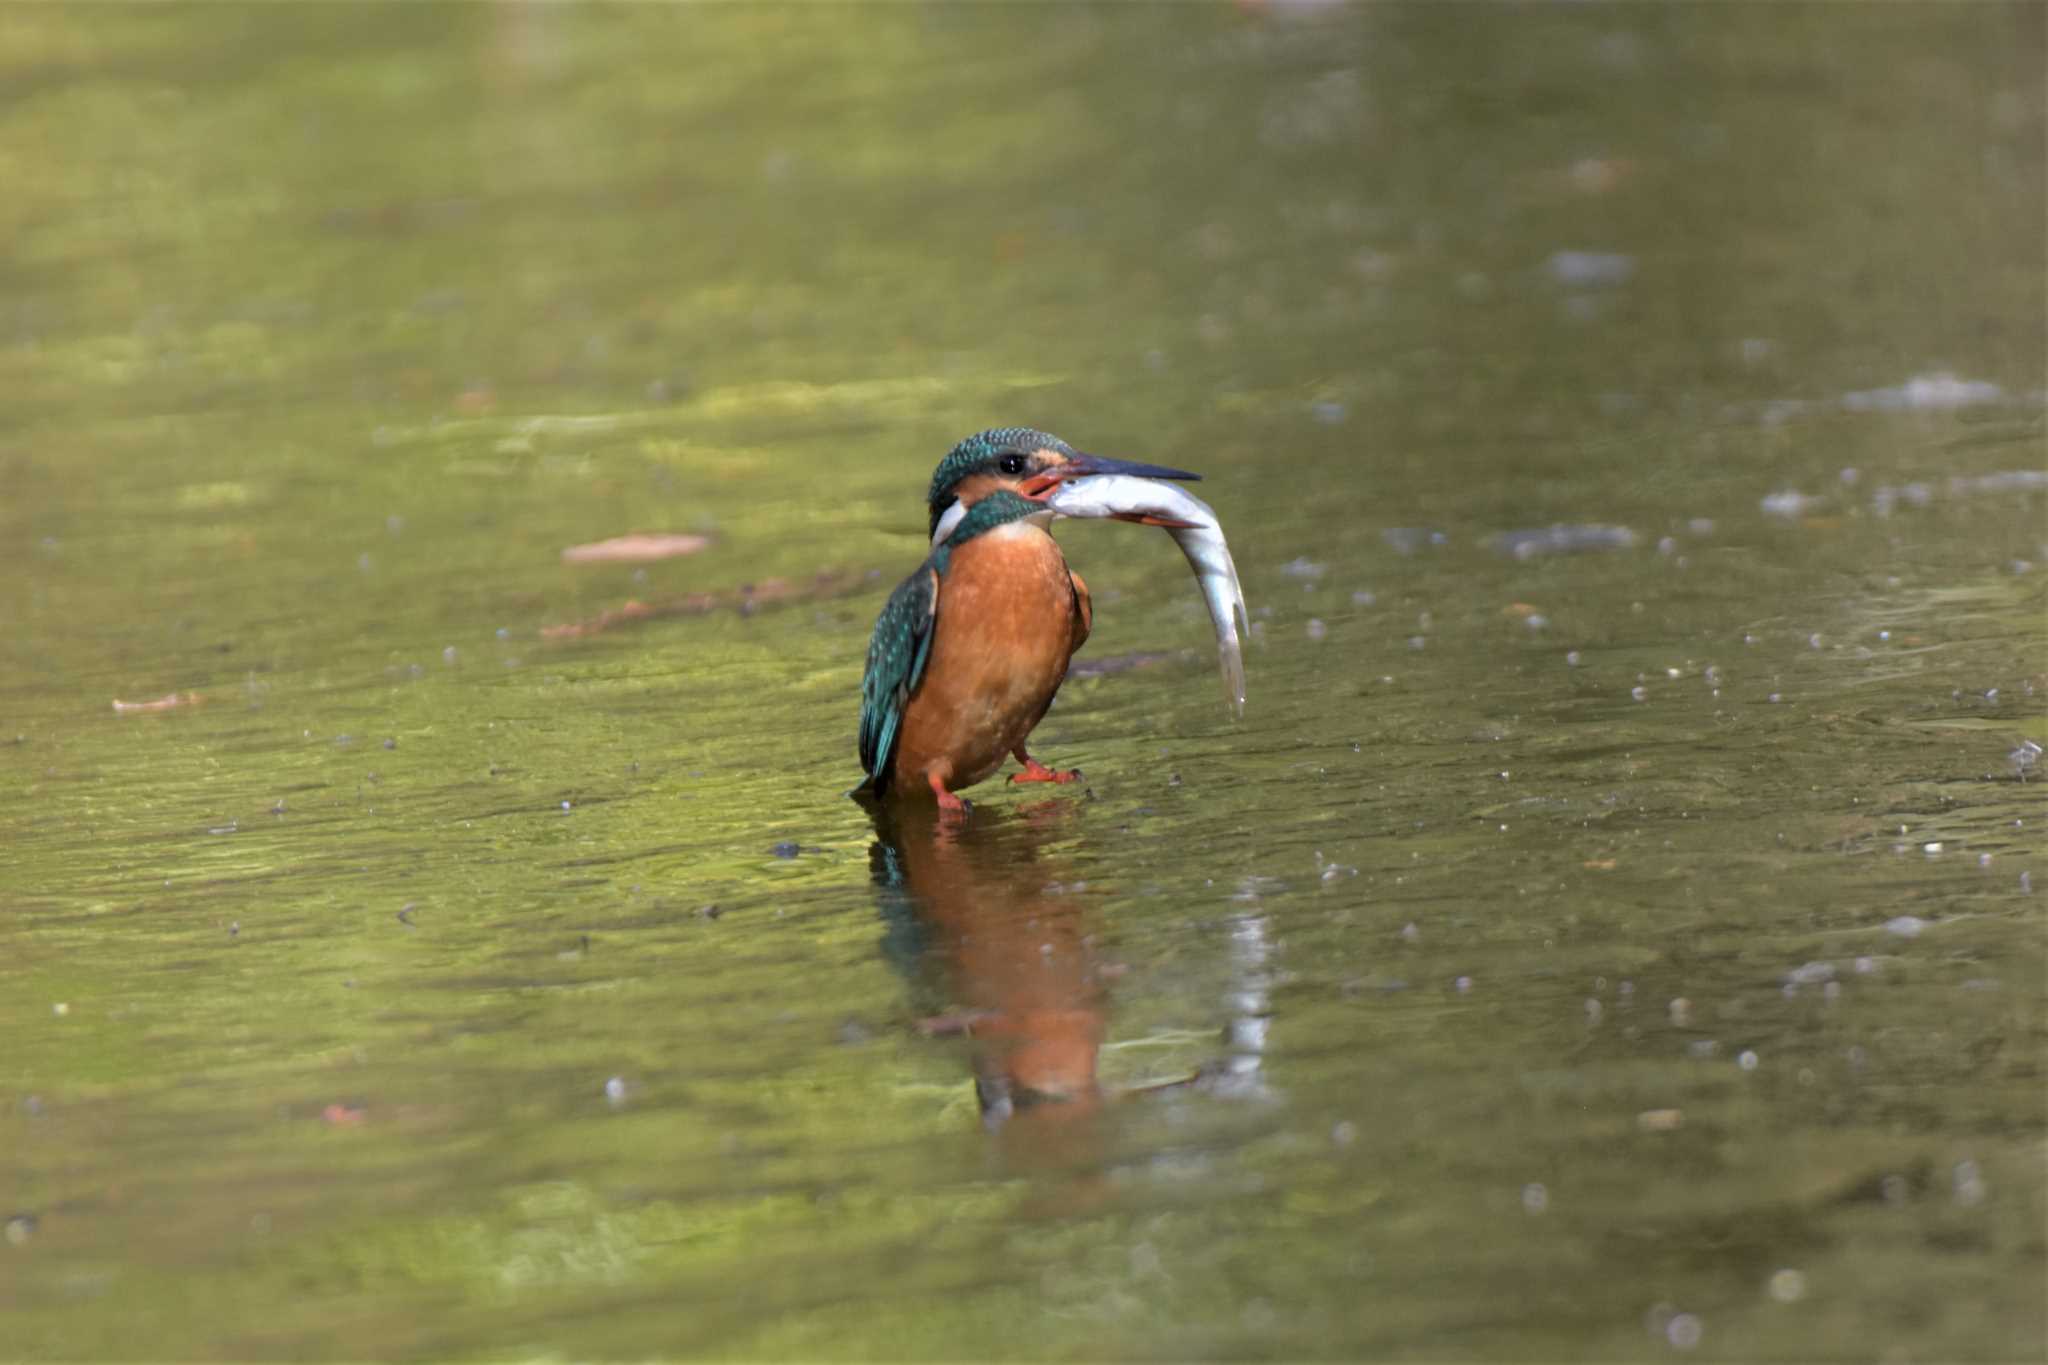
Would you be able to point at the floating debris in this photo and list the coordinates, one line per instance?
(1116, 663)
(1591, 269)
(1408, 539)
(168, 702)
(1599, 174)
(1935, 392)
(1886, 497)
(1562, 539)
(1787, 1286)
(635, 549)
(746, 600)
(1789, 503)
(2005, 481)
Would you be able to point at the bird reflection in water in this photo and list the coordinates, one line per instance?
(999, 943)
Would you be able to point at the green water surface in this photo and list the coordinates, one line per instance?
(1614, 954)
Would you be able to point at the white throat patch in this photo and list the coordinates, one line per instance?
(949, 521)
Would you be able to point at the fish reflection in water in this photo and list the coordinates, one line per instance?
(1000, 947)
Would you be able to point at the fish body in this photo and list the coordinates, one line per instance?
(1193, 525)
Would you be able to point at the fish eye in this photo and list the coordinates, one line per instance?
(1012, 463)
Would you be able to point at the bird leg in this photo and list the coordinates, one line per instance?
(949, 804)
(1034, 771)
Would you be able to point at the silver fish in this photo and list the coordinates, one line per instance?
(1128, 498)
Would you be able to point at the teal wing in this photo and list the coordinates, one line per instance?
(897, 653)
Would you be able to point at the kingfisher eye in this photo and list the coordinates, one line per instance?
(1011, 464)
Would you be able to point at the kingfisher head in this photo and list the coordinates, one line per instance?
(1027, 462)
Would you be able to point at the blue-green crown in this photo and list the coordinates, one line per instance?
(979, 452)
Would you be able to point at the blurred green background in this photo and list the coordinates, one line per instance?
(1609, 954)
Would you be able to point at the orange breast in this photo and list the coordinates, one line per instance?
(1004, 633)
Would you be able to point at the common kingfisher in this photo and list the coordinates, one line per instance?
(968, 652)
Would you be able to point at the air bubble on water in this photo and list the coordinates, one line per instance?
(1684, 1331)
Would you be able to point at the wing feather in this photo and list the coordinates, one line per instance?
(897, 653)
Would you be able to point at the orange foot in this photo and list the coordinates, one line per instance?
(950, 806)
(1034, 771)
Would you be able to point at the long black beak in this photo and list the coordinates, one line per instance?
(1081, 466)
